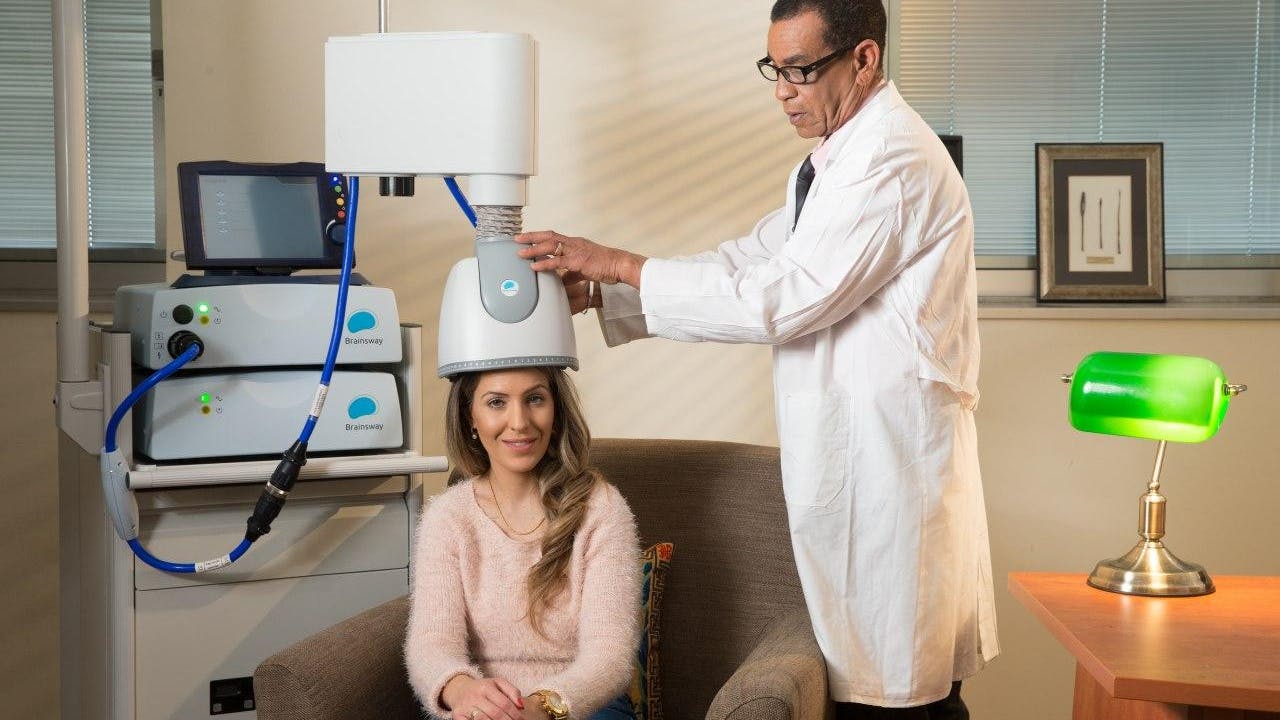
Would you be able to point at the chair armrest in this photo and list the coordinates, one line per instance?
(352, 670)
(784, 677)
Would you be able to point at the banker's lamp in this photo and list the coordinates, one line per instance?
(1158, 397)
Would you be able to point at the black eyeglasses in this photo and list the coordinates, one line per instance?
(796, 74)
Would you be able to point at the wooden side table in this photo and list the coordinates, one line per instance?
(1214, 657)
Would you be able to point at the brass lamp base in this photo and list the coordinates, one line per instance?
(1150, 569)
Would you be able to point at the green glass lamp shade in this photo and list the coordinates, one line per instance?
(1158, 397)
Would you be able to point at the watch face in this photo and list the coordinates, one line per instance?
(557, 705)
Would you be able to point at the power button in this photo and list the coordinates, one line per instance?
(183, 314)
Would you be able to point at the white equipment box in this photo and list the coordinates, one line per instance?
(261, 412)
(380, 118)
(256, 325)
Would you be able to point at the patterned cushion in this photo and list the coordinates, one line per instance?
(646, 684)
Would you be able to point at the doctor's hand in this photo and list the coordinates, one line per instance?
(583, 293)
(485, 699)
(552, 251)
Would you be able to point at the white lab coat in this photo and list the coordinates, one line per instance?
(871, 307)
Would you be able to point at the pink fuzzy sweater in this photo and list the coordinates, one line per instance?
(469, 604)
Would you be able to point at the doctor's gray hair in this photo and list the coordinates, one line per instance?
(564, 476)
(848, 22)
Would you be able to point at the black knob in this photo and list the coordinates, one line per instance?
(183, 314)
(336, 232)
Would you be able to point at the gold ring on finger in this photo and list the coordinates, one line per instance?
(559, 247)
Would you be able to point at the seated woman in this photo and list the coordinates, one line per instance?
(526, 586)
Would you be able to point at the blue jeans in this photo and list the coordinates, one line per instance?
(618, 709)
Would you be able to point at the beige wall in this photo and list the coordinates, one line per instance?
(28, 516)
(656, 134)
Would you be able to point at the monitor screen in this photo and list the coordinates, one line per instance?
(266, 218)
(260, 216)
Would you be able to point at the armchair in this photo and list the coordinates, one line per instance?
(736, 640)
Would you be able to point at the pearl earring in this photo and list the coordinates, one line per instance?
(474, 435)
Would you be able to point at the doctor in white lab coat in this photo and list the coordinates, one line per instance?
(869, 300)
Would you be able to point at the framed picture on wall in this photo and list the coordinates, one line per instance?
(955, 148)
(1100, 222)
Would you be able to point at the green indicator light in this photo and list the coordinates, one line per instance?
(202, 307)
(204, 398)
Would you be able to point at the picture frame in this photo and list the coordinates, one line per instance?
(955, 148)
(1100, 222)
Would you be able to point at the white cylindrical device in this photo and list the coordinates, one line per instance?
(492, 319)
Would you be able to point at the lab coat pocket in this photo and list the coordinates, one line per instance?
(815, 447)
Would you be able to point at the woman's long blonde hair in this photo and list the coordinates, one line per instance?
(564, 478)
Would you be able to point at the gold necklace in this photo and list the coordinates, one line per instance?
(506, 522)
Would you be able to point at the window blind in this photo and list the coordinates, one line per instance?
(122, 190)
(1199, 77)
(26, 125)
(119, 113)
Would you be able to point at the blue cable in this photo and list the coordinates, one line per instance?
(326, 375)
(110, 445)
(166, 566)
(335, 341)
(340, 311)
(116, 417)
(460, 198)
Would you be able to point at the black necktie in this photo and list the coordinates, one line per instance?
(804, 179)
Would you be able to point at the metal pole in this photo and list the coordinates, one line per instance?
(1154, 485)
(72, 188)
(382, 16)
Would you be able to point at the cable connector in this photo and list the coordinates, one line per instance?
(183, 339)
(276, 491)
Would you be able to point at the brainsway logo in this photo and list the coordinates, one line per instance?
(363, 406)
(358, 322)
(509, 287)
(361, 320)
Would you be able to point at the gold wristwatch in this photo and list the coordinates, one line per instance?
(553, 704)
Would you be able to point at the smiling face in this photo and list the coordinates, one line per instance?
(836, 90)
(513, 413)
